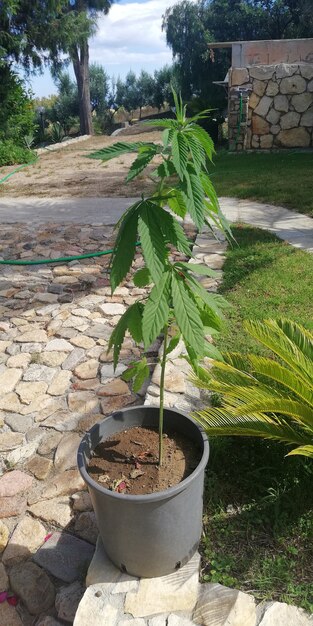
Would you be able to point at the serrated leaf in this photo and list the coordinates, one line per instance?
(166, 169)
(162, 123)
(207, 297)
(134, 321)
(142, 277)
(194, 196)
(156, 310)
(174, 232)
(119, 148)
(143, 159)
(173, 343)
(131, 320)
(125, 247)
(197, 268)
(167, 137)
(197, 151)
(152, 240)
(205, 140)
(210, 318)
(177, 203)
(142, 374)
(180, 153)
(187, 314)
(129, 373)
(212, 352)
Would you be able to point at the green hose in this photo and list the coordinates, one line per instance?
(64, 259)
(239, 118)
(2, 180)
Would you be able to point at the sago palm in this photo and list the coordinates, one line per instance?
(264, 397)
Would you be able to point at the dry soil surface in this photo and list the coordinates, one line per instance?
(67, 172)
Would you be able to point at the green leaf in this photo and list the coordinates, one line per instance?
(142, 373)
(162, 123)
(134, 321)
(152, 240)
(303, 451)
(180, 153)
(156, 310)
(197, 151)
(142, 277)
(197, 268)
(187, 314)
(119, 148)
(204, 139)
(166, 169)
(167, 137)
(174, 232)
(125, 247)
(211, 351)
(143, 159)
(173, 343)
(177, 203)
(194, 196)
(131, 320)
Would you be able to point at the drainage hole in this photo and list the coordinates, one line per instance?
(98, 594)
(123, 568)
(178, 565)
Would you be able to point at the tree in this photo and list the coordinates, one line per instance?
(99, 88)
(163, 80)
(191, 26)
(44, 30)
(145, 89)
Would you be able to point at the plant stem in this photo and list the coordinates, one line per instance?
(163, 363)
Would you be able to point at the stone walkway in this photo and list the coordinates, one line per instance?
(56, 381)
(293, 227)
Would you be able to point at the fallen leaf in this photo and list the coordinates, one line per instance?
(136, 473)
(47, 537)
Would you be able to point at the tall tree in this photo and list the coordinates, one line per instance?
(191, 26)
(43, 31)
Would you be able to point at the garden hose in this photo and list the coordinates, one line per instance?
(65, 259)
(2, 180)
(239, 118)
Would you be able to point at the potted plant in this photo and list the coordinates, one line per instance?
(154, 533)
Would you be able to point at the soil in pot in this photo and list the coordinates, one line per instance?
(127, 462)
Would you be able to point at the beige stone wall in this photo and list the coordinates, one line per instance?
(280, 106)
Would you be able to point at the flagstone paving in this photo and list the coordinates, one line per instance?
(56, 381)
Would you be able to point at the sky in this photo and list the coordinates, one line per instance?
(128, 38)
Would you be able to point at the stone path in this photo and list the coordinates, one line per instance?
(293, 227)
(56, 381)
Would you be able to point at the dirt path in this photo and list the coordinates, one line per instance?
(67, 172)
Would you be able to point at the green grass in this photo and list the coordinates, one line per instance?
(284, 178)
(258, 528)
(264, 277)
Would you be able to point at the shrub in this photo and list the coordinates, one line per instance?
(10, 153)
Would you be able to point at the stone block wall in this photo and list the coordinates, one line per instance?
(280, 106)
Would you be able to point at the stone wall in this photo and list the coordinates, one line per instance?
(280, 106)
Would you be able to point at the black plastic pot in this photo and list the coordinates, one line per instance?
(155, 534)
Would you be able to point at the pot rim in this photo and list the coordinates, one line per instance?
(148, 497)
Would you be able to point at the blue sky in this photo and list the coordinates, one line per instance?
(129, 37)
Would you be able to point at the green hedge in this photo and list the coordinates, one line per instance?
(10, 154)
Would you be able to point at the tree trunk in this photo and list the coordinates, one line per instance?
(80, 58)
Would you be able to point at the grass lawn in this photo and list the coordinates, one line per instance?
(258, 527)
(284, 178)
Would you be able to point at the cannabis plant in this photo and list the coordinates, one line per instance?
(177, 305)
(261, 396)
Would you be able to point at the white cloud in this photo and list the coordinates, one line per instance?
(130, 36)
